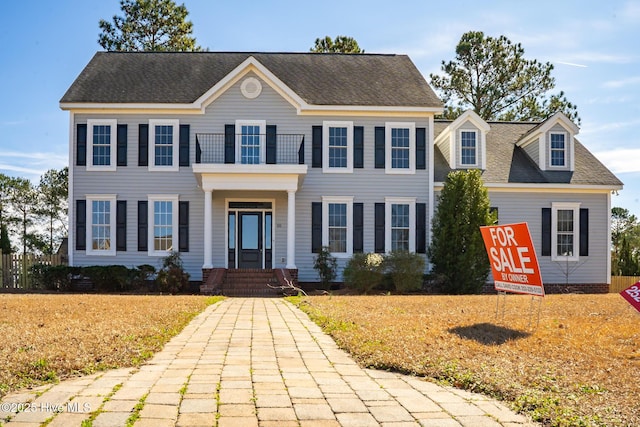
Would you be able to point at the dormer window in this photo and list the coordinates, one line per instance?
(558, 148)
(468, 148)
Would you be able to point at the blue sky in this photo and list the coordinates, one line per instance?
(45, 44)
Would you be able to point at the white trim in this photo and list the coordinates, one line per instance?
(326, 125)
(174, 199)
(431, 186)
(262, 135)
(568, 206)
(388, 127)
(566, 150)
(348, 200)
(71, 205)
(477, 147)
(543, 188)
(609, 238)
(291, 230)
(111, 198)
(175, 166)
(388, 201)
(113, 147)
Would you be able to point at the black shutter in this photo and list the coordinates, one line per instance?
(81, 145)
(421, 148)
(421, 228)
(379, 231)
(316, 147)
(229, 143)
(358, 227)
(271, 148)
(121, 145)
(316, 227)
(121, 225)
(183, 226)
(584, 232)
(546, 231)
(184, 145)
(81, 225)
(379, 147)
(495, 211)
(143, 221)
(143, 145)
(301, 153)
(358, 147)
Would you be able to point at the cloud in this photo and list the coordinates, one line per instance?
(615, 84)
(621, 160)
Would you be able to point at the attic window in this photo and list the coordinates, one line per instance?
(251, 88)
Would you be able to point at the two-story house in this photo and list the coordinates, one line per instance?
(254, 161)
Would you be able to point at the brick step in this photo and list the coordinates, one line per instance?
(250, 283)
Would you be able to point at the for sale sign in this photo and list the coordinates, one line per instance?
(632, 295)
(513, 259)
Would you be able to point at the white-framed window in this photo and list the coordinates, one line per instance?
(400, 224)
(468, 148)
(337, 147)
(163, 224)
(163, 145)
(102, 138)
(101, 230)
(250, 143)
(337, 225)
(558, 149)
(565, 222)
(400, 147)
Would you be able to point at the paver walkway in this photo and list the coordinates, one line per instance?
(252, 362)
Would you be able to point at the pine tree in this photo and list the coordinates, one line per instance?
(457, 250)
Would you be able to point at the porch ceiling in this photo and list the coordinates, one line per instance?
(214, 177)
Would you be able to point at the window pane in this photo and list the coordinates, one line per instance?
(565, 234)
(468, 144)
(557, 149)
(400, 227)
(249, 231)
(267, 230)
(101, 145)
(163, 225)
(337, 147)
(565, 221)
(232, 230)
(250, 145)
(337, 227)
(400, 148)
(101, 225)
(164, 145)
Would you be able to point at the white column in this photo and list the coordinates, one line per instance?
(208, 230)
(291, 229)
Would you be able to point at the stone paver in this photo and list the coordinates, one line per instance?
(253, 362)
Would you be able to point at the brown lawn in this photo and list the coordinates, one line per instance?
(579, 366)
(48, 337)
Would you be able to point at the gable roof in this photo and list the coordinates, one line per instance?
(318, 79)
(507, 163)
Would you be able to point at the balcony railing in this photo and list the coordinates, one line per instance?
(280, 149)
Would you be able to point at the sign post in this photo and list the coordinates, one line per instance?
(513, 259)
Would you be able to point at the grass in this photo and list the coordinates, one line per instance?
(578, 367)
(46, 338)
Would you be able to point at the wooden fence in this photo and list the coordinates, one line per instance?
(619, 283)
(15, 268)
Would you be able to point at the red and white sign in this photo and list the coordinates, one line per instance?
(632, 295)
(513, 259)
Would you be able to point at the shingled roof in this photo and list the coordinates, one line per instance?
(319, 79)
(509, 164)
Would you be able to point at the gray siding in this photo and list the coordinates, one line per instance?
(527, 207)
(533, 151)
(133, 183)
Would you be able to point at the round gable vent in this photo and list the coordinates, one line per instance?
(251, 87)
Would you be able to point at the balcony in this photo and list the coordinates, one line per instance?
(270, 149)
(263, 162)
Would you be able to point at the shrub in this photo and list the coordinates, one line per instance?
(326, 266)
(406, 270)
(364, 272)
(52, 277)
(172, 278)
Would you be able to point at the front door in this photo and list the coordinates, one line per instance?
(250, 245)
